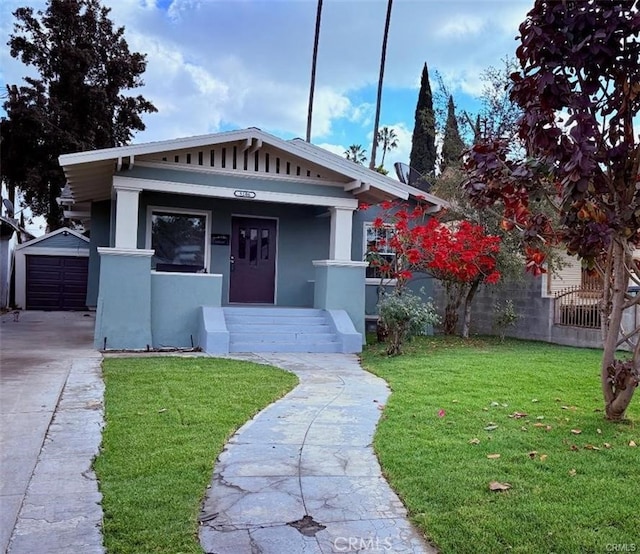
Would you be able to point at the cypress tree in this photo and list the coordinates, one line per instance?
(452, 145)
(423, 144)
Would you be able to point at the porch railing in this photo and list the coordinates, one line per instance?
(578, 306)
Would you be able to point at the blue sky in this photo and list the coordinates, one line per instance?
(216, 65)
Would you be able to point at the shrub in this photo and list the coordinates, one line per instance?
(504, 316)
(405, 315)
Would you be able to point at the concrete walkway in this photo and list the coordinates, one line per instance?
(50, 424)
(302, 477)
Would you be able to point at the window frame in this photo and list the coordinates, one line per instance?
(186, 212)
(374, 280)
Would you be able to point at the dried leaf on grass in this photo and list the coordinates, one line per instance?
(518, 415)
(474, 441)
(576, 431)
(491, 427)
(632, 443)
(572, 473)
(493, 456)
(497, 486)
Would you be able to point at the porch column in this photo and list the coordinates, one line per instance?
(127, 202)
(340, 241)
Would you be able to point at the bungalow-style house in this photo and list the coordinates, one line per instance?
(236, 241)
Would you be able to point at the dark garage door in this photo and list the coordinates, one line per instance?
(57, 282)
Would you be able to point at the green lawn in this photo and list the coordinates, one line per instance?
(167, 421)
(575, 481)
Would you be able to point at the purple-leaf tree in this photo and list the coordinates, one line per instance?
(579, 89)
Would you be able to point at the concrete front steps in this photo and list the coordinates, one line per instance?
(273, 329)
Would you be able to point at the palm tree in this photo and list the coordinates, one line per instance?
(372, 163)
(356, 154)
(389, 141)
(313, 69)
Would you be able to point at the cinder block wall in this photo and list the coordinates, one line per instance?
(536, 314)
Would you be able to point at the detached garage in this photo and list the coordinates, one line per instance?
(52, 271)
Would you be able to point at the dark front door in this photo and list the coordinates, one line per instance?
(253, 260)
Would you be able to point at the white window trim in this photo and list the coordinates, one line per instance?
(374, 280)
(183, 211)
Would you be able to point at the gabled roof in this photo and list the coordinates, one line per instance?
(89, 173)
(61, 231)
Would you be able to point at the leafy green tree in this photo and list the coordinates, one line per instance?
(498, 114)
(423, 143)
(389, 140)
(580, 59)
(356, 154)
(452, 145)
(76, 101)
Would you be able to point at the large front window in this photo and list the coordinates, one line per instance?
(180, 240)
(377, 240)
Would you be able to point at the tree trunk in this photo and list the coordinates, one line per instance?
(619, 391)
(454, 295)
(314, 62)
(383, 56)
(468, 299)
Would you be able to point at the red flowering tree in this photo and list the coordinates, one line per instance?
(460, 255)
(579, 89)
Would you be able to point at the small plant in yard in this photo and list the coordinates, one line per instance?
(504, 315)
(404, 315)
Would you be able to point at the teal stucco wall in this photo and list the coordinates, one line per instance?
(123, 314)
(341, 287)
(99, 235)
(303, 236)
(176, 301)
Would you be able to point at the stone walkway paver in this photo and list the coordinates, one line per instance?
(302, 477)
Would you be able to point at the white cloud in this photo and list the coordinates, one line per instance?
(461, 25)
(335, 148)
(232, 64)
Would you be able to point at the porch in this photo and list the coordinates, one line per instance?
(140, 309)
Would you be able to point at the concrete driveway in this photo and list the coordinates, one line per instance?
(50, 424)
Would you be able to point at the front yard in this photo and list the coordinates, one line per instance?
(462, 415)
(465, 414)
(167, 421)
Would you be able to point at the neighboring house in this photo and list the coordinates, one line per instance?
(194, 239)
(11, 234)
(52, 271)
